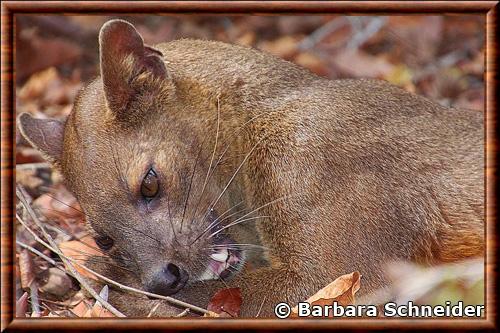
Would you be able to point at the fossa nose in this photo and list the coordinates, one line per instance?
(168, 280)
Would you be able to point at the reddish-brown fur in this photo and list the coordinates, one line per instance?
(352, 174)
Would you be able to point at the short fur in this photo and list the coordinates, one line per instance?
(350, 174)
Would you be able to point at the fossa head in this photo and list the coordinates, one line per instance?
(141, 170)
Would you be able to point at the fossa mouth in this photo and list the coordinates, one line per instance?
(224, 261)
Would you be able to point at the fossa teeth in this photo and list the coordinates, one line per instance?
(220, 256)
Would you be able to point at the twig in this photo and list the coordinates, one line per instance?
(131, 289)
(28, 281)
(35, 303)
(66, 262)
(35, 251)
(183, 313)
(51, 311)
(29, 166)
(371, 28)
(317, 35)
(110, 281)
(153, 310)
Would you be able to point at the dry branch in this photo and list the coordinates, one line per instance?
(66, 262)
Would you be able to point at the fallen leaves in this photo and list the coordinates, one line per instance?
(80, 251)
(86, 309)
(22, 305)
(48, 52)
(49, 92)
(60, 205)
(26, 269)
(341, 290)
(225, 303)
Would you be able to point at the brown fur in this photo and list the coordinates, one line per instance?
(368, 173)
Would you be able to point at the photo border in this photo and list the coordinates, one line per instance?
(10, 8)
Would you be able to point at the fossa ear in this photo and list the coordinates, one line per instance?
(123, 56)
(46, 135)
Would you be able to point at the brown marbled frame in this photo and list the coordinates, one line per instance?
(11, 8)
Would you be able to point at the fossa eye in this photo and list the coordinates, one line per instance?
(104, 242)
(150, 185)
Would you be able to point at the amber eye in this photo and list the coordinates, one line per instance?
(150, 185)
(104, 242)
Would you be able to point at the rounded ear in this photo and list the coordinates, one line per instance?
(46, 135)
(123, 56)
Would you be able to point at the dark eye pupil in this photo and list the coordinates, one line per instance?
(104, 242)
(149, 186)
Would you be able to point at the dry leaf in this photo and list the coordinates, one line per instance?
(226, 302)
(74, 300)
(22, 305)
(402, 76)
(341, 290)
(38, 83)
(211, 314)
(98, 311)
(47, 94)
(341, 285)
(59, 205)
(26, 269)
(81, 308)
(81, 251)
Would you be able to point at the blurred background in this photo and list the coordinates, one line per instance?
(441, 57)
